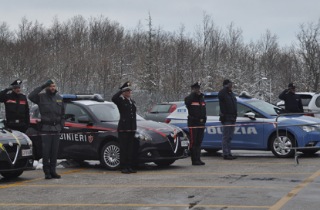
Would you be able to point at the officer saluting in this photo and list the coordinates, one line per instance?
(126, 128)
(17, 108)
(292, 101)
(52, 120)
(197, 118)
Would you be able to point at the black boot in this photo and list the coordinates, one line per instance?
(53, 173)
(47, 174)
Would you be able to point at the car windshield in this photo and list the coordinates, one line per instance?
(265, 107)
(107, 112)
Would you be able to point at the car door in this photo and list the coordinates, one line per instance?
(248, 132)
(213, 131)
(76, 138)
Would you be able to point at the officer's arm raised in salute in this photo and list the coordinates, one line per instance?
(34, 95)
(116, 98)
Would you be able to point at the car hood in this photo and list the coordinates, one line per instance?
(153, 126)
(157, 127)
(14, 137)
(298, 120)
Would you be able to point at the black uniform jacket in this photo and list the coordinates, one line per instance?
(228, 105)
(127, 109)
(292, 102)
(51, 109)
(197, 114)
(17, 108)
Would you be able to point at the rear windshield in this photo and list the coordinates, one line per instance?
(305, 99)
(161, 108)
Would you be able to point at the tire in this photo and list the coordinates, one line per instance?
(281, 146)
(11, 174)
(164, 163)
(110, 155)
(309, 152)
(211, 151)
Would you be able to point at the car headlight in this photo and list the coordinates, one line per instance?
(142, 135)
(308, 128)
(27, 139)
(179, 130)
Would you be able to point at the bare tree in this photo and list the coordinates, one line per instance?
(309, 38)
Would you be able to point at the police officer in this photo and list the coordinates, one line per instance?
(228, 117)
(197, 118)
(16, 105)
(52, 121)
(292, 101)
(126, 128)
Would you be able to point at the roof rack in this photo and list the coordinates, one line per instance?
(75, 97)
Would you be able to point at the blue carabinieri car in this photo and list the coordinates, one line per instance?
(259, 126)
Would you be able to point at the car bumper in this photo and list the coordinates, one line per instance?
(154, 154)
(21, 164)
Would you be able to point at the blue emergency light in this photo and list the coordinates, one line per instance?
(75, 97)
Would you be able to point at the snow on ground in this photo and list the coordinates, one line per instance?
(63, 163)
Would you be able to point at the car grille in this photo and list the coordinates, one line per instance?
(11, 150)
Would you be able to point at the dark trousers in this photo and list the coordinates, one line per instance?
(128, 149)
(50, 146)
(196, 137)
(227, 135)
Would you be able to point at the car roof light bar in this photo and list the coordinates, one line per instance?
(75, 97)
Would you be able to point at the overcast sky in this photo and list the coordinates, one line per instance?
(254, 17)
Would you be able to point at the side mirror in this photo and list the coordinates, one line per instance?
(84, 119)
(250, 115)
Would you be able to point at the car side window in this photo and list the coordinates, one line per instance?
(73, 112)
(242, 110)
(212, 108)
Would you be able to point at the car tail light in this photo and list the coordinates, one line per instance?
(309, 114)
(172, 108)
(167, 121)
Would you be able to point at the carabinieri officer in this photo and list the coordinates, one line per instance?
(197, 117)
(17, 108)
(127, 127)
(52, 120)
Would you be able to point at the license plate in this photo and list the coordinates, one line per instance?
(184, 143)
(26, 152)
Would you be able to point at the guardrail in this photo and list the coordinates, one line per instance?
(296, 155)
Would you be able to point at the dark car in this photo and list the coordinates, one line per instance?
(15, 152)
(90, 133)
(159, 112)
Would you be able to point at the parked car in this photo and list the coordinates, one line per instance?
(306, 98)
(256, 127)
(90, 133)
(160, 111)
(15, 152)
